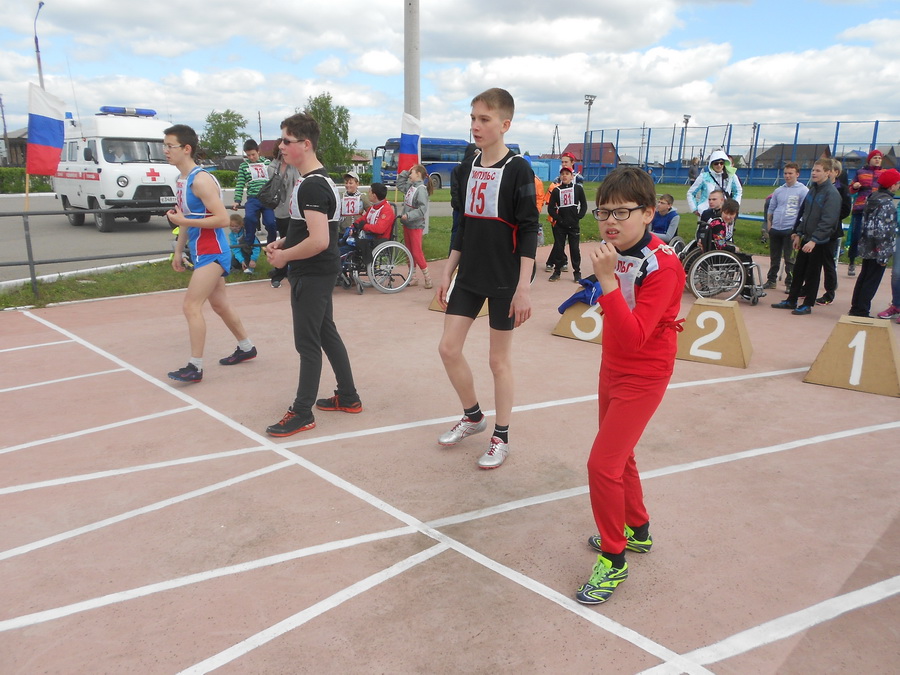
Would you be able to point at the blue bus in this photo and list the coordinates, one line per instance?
(439, 156)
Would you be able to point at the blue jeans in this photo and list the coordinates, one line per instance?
(252, 211)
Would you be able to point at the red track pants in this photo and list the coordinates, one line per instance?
(627, 402)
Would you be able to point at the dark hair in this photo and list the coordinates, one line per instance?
(379, 190)
(185, 135)
(250, 144)
(731, 206)
(303, 127)
(792, 165)
(627, 184)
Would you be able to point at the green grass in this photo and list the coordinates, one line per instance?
(126, 281)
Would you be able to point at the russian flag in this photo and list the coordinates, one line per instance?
(45, 132)
(410, 136)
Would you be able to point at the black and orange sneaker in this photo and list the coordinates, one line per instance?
(338, 402)
(291, 424)
(190, 373)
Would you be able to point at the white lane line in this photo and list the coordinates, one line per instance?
(93, 430)
(35, 346)
(62, 379)
(786, 626)
(159, 587)
(780, 447)
(663, 471)
(589, 614)
(521, 408)
(62, 536)
(241, 648)
(114, 473)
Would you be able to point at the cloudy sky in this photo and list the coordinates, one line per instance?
(648, 61)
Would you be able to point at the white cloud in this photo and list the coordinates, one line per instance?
(378, 62)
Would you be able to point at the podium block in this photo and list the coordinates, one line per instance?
(714, 332)
(581, 322)
(860, 354)
(435, 306)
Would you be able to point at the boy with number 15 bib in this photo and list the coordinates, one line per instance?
(494, 251)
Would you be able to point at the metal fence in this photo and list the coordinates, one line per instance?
(759, 151)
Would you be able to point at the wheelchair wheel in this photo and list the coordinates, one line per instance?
(717, 274)
(678, 245)
(391, 268)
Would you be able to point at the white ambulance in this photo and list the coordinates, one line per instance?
(114, 161)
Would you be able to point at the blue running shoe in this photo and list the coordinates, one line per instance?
(189, 373)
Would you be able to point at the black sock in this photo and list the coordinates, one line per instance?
(474, 413)
(617, 559)
(502, 432)
(641, 533)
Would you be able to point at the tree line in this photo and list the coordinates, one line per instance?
(224, 131)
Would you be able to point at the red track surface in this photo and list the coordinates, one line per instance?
(153, 528)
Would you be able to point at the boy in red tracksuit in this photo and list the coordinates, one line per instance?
(642, 281)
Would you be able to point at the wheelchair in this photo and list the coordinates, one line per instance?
(718, 273)
(385, 264)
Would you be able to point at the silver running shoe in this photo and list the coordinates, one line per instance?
(497, 453)
(463, 428)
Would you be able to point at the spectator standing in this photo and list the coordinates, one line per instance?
(784, 208)
(715, 177)
(864, 182)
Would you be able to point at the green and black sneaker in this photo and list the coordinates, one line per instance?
(631, 543)
(602, 583)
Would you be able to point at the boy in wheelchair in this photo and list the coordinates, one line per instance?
(717, 234)
(367, 231)
(374, 226)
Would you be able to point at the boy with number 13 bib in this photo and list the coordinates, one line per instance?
(494, 251)
(642, 281)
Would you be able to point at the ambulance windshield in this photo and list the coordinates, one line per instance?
(124, 150)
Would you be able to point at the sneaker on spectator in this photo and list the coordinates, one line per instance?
(891, 312)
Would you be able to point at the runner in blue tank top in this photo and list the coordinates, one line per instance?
(201, 218)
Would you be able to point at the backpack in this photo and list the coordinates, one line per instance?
(273, 192)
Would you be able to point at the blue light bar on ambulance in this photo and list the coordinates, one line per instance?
(133, 112)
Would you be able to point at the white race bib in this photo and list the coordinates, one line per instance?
(566, 196)
(482, 192)
(258, 170)
(351, 205)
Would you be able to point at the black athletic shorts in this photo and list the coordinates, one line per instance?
(467, 303)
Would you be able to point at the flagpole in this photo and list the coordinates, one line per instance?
(31, 269)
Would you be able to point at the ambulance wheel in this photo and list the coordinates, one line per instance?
(76, 219)
(103, 220)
